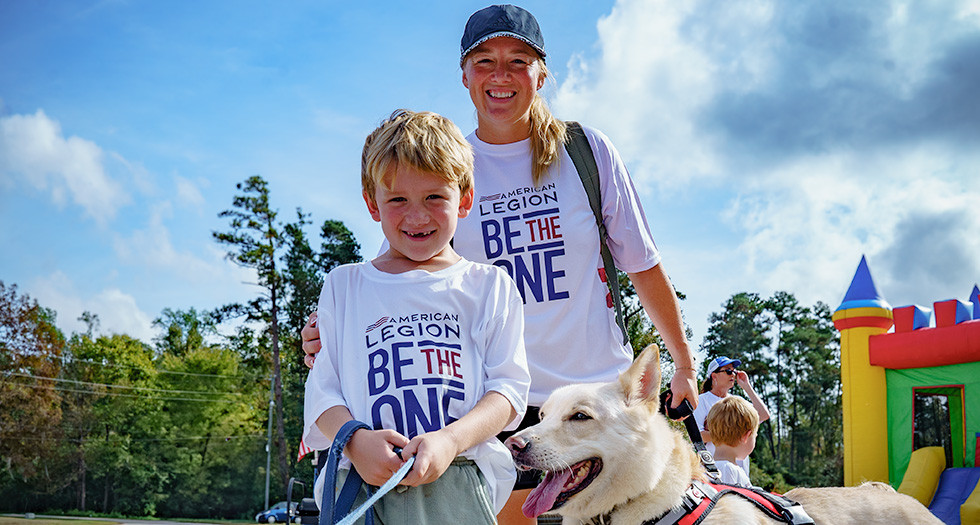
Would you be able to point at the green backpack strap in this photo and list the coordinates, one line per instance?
(582, 156)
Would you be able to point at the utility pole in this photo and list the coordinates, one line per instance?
(268, 441)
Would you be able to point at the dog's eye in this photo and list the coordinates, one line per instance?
(580, 416)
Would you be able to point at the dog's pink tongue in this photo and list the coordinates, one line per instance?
(543, 497)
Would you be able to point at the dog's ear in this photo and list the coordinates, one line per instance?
(641, 382)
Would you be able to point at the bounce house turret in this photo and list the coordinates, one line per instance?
(862, 314)
(911, 397)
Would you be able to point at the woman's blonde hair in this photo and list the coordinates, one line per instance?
(423, 140)
(548, 135)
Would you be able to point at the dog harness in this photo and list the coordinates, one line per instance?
(700, 499)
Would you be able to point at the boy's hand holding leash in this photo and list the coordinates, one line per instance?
(434, 452)
(372, 452)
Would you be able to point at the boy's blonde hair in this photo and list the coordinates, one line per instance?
(730, 419)
(423, 140)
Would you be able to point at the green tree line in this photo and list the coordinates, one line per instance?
(791, 353)
(174, 427)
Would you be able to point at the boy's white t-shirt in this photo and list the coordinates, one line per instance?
(415, 351)
(732, 474)
(547, 239)
(705, 401)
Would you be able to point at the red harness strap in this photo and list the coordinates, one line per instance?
(758, 497)
(700, 498)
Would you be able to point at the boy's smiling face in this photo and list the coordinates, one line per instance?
(418, 212)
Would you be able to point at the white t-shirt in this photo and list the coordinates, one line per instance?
(732, 474)
(547, 240)
(415, 351)
(705, 401)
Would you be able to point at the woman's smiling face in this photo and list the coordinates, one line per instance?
(503, 74)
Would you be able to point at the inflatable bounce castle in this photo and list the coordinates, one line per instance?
(911, 397)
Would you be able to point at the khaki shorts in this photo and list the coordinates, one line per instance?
(460, 495)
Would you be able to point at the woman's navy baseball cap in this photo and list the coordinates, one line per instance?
(501, 20)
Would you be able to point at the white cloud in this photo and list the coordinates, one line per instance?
(141, 177)
(117, 311)
(188, 194)
(33, 146)
(825, 129)
(153, 248)
(806, 226)
(644, 90)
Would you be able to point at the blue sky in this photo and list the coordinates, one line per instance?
(773, 143)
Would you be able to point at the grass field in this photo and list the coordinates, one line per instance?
(10, 520)
(7, 520)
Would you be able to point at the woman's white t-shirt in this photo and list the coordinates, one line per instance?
(547, 240)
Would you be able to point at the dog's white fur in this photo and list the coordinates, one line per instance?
(647, 465)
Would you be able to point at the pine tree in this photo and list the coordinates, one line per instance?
(255, 238)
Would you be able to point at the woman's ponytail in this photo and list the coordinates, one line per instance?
(547, 137)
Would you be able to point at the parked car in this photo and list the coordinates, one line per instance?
(276, 514)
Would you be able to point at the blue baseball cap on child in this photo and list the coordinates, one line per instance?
(719, 362)
(501, 20)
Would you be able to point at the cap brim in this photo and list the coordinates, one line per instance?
(713, 367)
(499, 34)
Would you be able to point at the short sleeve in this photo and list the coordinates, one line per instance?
(629, 238)
(505, 361)
(323, 388)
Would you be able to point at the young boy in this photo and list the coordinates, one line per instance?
(733, 423)
(423, 346)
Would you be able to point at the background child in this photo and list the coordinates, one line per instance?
(733, 424)
(420, 344)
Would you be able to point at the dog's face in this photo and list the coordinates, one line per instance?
(599, 444)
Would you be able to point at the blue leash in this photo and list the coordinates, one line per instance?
(334, 512)
(384, 489)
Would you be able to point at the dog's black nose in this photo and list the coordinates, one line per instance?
(517, 444)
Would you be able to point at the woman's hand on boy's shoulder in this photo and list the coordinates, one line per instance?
(373, 455)
(311, 340)
(434, 452)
